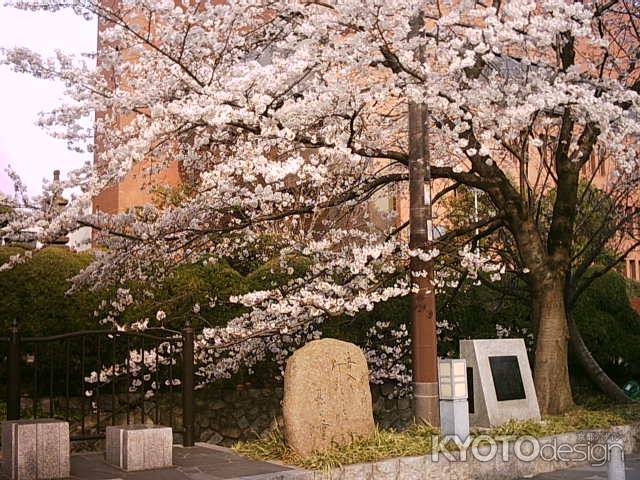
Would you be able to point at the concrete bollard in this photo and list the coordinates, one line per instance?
(454, 418)
(615, 465)
(35, 449)
(139, 447)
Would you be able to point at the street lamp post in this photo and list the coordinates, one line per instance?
(423, 303)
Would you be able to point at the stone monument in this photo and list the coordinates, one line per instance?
(500, 382)
(327, 398)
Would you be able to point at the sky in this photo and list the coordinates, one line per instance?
(26, 147)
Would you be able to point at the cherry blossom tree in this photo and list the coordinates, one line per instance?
(287, 117)
(605, 232)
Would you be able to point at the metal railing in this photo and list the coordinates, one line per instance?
(95, 378)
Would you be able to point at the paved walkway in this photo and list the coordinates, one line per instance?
(210, 462)
(594, 473)
(195, 463)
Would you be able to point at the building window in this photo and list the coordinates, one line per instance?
(632, 269)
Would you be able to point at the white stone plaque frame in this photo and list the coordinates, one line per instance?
(488, 411)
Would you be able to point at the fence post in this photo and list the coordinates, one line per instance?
(13, 373)
(187, 384)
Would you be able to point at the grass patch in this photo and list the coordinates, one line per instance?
(580, 418)
(572, 421)
(418, 439)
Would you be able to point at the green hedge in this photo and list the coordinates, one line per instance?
(481, 312)
(34, 293)
(209, 286)
(610, 327)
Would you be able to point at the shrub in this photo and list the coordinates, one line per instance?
(481, 312)
(34, 293)
(208, 286)
(610, 326)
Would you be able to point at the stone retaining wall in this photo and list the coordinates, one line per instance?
(224, 417)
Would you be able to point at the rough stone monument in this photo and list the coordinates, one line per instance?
(326, 396)
(35, 449)
(500, 381)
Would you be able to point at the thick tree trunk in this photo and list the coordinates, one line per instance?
(591, 367)
(551, 370)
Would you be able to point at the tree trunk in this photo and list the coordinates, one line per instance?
(551, 370)
(591, 367)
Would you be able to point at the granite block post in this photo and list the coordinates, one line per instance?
(615, 465)
(35, 449)
(454, 418)
(139, 447)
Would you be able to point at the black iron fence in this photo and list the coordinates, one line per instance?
(96, 378)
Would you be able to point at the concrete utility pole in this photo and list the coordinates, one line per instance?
(423, 302)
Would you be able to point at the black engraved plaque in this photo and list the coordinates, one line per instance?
(507, 378)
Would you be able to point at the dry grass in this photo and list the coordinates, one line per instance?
(418, 439)
(578, 419)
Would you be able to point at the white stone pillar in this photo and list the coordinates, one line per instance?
(615, 466)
